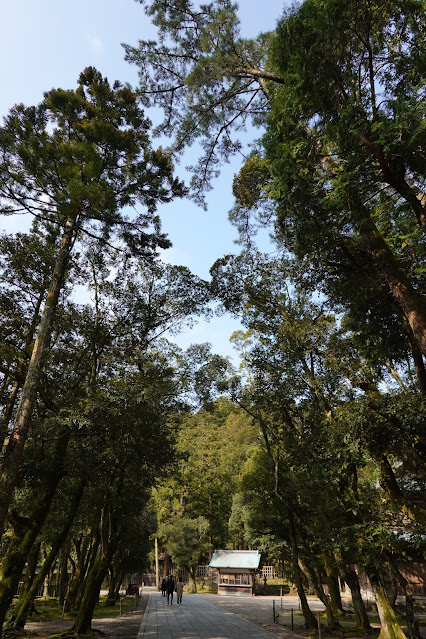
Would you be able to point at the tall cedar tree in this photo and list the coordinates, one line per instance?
(354, 69)
(75, 161)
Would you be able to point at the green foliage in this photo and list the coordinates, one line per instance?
(85, 154)
(206, 78)
(187, 540)
(212, 447)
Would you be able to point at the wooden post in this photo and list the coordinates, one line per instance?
(273, 610)
(121, 606)
(319, 624)
(292, 619)
(157, 569)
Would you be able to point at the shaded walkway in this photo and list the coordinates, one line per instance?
(196, 618)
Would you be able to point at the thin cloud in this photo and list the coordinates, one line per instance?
(96, 44)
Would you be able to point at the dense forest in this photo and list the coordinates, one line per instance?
(313, 449)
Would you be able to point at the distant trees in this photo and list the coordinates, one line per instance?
(212, 446)
(187, 541)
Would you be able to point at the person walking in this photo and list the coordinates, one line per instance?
(170, 589)
(179, 591)
(164, 587)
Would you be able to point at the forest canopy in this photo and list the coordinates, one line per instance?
(311, 450)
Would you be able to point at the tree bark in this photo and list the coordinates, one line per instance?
(82, 553)
(411, 302)
(310, 621)
(315, 577)
(63, 572)
(24, 608)
(15, 447)
(27, 530)
(349, 574)
(21, 370)
(193, 574)
(390, 627)
(412, 622)
(93, 583)
(91, 561)
(332, 581)
(31, 569)
(390, 486)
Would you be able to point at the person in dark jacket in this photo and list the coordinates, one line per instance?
(170, 589)
(164, 587)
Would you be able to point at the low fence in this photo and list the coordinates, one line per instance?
(204, 571)
(272, 572)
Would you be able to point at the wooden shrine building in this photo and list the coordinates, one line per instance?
(236, 570)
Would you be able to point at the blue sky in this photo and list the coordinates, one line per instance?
(47, 43)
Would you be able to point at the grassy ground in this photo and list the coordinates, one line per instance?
(50, 610)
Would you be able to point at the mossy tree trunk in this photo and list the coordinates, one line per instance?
(93, 584)
(14, 450)
(26, 530)
(82, 548)
(24, 606)
(390, 627)
(30, 574)
(114, 586)
(91, 561)
(21, 370)
(310, 621)
(315, 578)
(193, 576)
(332, 581)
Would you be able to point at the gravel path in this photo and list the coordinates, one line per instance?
(259, 610)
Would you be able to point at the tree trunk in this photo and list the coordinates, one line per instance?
(118, 585)
(361, 617)
(412, 622)
(24, 608)
(21, 370)
(82, 553)
(31, 569)
(111, 598)
(193, 575)
(91, 562)
(310, 621)
(15, 447)
(411, 302)
(166, 564)
(93, 583)
(390, 627)
(332, 581)
(390, 486)
(322, 596)
(27, 530)
(63, 572)
(8, 410)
